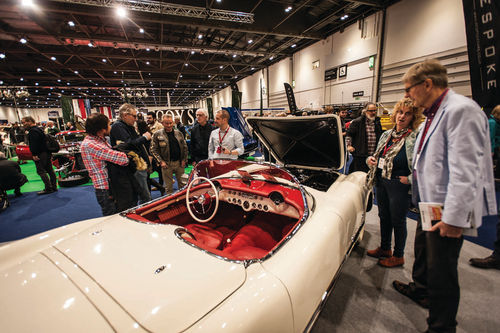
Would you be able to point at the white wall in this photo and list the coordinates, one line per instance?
(250, 88)
(9, 113)
(416, 28)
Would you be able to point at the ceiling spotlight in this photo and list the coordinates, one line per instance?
(250, 41)
(2, 55)
(147, 49)
(200, 36)
(38, 69)
(36, 83)
(192, 52)
(76, 72)
(141, 30)
(58, 80)
(53, 58)
(287, 9)
(27, 3)
(252, 68)
(104, 60)
(271, 57)
(21, 79)
(147, 62)
(219, 1)
(202, 51)
(71, 23)
(1, 82)
(294, 45)
(234, 55)
(186, 64)
(121, 12)
(23, 40)
(90, 44)
(221, 67)
(344, 17)
(67, 83)
(180, 75)
(114, 72)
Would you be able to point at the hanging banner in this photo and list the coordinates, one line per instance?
(482, 22)
(67, 109)
(105, 110)
(81, 108)
(210, 108)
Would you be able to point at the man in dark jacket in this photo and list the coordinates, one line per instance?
(362, 137)
(200, 134)
(123, 131)
(11, 176)
(41, 156)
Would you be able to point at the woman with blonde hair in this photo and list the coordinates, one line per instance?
(390, 170)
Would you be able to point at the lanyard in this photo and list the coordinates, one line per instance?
(220, 140)
(387, 146)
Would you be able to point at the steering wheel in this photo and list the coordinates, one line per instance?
(204, 202)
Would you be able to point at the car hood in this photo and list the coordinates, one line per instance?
(161, 282)
(312, 142)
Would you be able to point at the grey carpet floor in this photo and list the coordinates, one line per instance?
(365, 301)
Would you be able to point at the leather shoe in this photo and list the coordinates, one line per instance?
(406, 290)
(488, 262)
(378, 252)
(392, 262)
(44, 192)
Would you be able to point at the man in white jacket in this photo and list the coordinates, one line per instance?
(451, 166)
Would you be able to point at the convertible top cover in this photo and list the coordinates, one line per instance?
(307, 142)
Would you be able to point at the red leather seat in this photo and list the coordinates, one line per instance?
(252, 241)
(205, 235)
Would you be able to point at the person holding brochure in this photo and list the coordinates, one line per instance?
(390, 170)
(451, 166)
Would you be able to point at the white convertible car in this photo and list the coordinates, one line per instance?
(245, 247)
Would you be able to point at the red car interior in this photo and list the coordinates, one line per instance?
(233, 233)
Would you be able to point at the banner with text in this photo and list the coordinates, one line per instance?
(482, 22)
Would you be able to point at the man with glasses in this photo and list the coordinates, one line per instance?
(200, 135)
(451, 166)
(362, 137)
(123, 131)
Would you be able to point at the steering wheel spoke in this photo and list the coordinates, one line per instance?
(203, 203)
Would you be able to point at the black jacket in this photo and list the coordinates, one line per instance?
(37, 141)
(10, 175)
(124, 133)
(357, 132)
(199, 141)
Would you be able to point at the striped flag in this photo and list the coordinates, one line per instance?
(105, 110)
(81, 108)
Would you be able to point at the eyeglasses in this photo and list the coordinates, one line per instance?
(407, 90)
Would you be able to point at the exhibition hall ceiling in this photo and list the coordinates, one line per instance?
(154, 50)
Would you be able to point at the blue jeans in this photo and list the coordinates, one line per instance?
(393, 202)
(142, 179)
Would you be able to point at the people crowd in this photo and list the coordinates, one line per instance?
(440, 150)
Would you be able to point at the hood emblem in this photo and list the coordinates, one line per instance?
(160, 269)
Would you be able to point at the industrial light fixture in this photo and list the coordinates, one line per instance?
(287, 9)
(53, 58)
(27, 3)
(200, 36)
(71, 23)
(141, 30)
(2, 55)
(344, 17)
(90, 44)
(250, 41)
(104, 60)
(76, 72)
(38, 69)
(121, 12)
(294, 45)
(23, 40)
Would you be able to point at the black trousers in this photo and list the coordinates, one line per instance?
(44, 170)
(107, 204)
(358, 164)
(496, 252)
(435, 275)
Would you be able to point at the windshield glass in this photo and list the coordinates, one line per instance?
(241, 169)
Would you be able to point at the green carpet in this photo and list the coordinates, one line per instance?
(35, 184)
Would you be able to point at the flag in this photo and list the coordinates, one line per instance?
(106, 110)
(81, 108)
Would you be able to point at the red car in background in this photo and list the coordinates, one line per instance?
(67, 161)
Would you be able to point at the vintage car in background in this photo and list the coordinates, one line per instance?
(68, 161)
(244, 247)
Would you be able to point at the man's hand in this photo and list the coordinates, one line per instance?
(147, 135)
(163, 164)
(350, 149)
(446, 230)
(183, 164)
(36, 158)
(404, 180)
(226, 151)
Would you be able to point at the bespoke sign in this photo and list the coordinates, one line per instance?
(482, 22)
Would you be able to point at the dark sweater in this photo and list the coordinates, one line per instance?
(124, 133)
(37, 141)
(357, 132)
(200, 136)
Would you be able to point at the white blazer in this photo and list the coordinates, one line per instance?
(454, 166)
